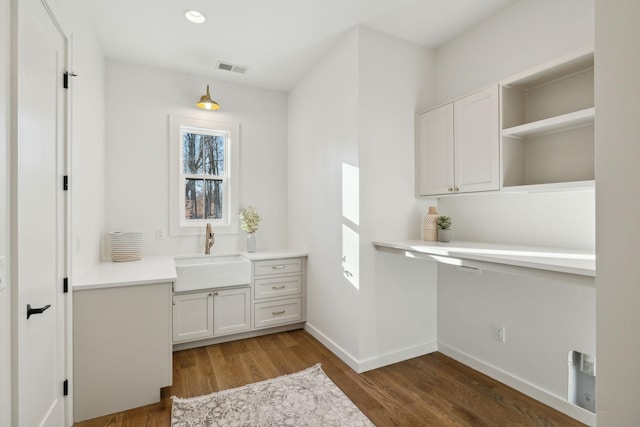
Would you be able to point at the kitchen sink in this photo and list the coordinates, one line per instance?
(211, 271)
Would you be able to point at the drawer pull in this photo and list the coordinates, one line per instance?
(278, 312)
(277, 267)
(278, 287)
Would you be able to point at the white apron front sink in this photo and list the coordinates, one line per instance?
(211, 271)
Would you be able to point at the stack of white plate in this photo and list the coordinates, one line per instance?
(126, 246)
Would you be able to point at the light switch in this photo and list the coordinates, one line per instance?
(2, 274)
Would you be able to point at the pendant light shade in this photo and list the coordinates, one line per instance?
(206, 103)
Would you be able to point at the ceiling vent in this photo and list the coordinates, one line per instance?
(225, 66)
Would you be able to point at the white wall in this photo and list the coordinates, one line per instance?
(323, 134)
(353, 109)
(139, 102)
(397, 295)
(617, 173)
(545, 316)
(5, 294)
(555, 219)
(524, 35)
(87, 169)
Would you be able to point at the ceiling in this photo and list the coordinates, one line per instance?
(278, 40)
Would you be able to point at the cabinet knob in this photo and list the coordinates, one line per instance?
(450, 189)
(215, 293)
(456, 189)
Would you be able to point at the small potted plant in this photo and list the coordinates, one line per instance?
(444, 228)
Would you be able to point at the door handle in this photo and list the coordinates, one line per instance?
(40, 310)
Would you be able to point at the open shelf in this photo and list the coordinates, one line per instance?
(553, 124)
(555, 186)
(547, 121)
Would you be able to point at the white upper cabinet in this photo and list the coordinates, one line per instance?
(477, 142)
(434, 151)
(458, 146)
(548, 126)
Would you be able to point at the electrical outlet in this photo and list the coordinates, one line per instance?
(159, 234)
(2, 273)
(500, 334)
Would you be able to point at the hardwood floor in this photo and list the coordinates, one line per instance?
(431, 390)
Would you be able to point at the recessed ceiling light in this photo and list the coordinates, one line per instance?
(194, 16)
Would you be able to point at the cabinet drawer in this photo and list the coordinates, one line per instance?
(277, 266)
(278, 286)
(278, 312)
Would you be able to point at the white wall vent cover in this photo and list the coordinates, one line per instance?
(241, 69)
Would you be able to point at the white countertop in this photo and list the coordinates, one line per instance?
(150, 269)
(257, 256)
(543, 258)
(155, 269)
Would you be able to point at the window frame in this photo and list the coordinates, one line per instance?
(178, 224)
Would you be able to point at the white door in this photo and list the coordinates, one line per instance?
(477, 142)
(38, 223)
(434, 151)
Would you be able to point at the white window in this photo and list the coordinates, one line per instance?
(204, 176)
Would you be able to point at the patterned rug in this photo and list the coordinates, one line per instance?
(305, 398)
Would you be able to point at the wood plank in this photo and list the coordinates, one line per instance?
(430, 390)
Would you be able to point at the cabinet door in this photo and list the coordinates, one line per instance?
(477, 142)
(192, 316)
(231, 311)
(434, 151)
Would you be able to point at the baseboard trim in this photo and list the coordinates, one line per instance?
(234, 337)
(397, 356)
(335, 348)
(521, 385)
(374, 362)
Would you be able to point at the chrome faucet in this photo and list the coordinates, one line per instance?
(209, 240)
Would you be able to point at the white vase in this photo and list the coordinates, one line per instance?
(251, 242)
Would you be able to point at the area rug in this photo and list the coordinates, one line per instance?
(305, 398)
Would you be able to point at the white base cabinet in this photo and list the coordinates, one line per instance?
(275, 298)
(278, 286)
(201, 315)
(121, 348)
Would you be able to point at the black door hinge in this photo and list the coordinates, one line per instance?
(65, 388)
(65, 79)
(65, 285)
(65, 182)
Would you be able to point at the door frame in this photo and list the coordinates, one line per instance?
(57, 17)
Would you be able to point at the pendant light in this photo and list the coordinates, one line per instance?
(206, 103)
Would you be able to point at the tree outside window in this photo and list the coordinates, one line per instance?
(203, 167)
